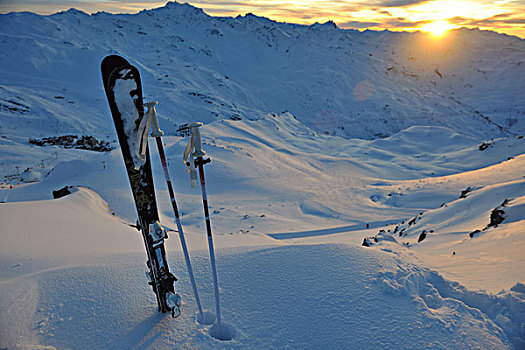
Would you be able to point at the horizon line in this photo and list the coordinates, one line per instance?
(234, 14)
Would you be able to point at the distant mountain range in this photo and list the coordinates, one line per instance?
(340, 82)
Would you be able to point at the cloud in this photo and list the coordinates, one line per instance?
(129, 2)
(400, 22)
(504, 18)
(497, 20)
(232, 4)
(90, 6)
(393, 3)
(389, 23)
(358, 24)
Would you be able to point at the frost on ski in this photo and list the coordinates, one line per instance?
(136, 126)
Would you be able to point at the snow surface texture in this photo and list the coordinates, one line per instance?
(292, 196)
(298, 296)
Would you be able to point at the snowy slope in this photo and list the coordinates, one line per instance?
(299, 296)
(289, 224)
(385, 132)
(459, 238)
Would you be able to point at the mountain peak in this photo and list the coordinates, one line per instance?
(328, 24)
(178, 9)
(72, 11)
(174, 5)
(252, 17)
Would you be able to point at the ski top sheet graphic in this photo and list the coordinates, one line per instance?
(123, 89)
(128, 114)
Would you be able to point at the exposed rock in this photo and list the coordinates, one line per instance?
(64, 191)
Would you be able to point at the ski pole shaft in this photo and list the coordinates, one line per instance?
(162, 155)
(157, 133)
(200, 161)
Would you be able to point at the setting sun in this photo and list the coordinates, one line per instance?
(437, 28)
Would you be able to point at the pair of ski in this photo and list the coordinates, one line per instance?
(123, 89)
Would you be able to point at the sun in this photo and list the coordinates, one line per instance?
(437, 28)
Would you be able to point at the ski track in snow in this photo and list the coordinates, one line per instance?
(292, 195)
(334, 230)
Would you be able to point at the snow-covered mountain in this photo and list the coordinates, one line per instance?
(321, 140)
(365, 85)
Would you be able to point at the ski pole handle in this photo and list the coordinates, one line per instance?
(152, 115)
(196, 139)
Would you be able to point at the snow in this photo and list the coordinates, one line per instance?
(374, 143)
(125, 101)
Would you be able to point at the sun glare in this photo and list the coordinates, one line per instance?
(437, 28)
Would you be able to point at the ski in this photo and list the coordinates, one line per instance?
(123, 89)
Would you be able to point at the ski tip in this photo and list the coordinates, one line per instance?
(110, 62)
(114, 60)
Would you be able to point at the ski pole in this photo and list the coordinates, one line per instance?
(157, 133)
(195, 148)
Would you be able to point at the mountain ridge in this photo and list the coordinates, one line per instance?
(340, 82)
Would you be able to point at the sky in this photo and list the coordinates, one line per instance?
(436, 16)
